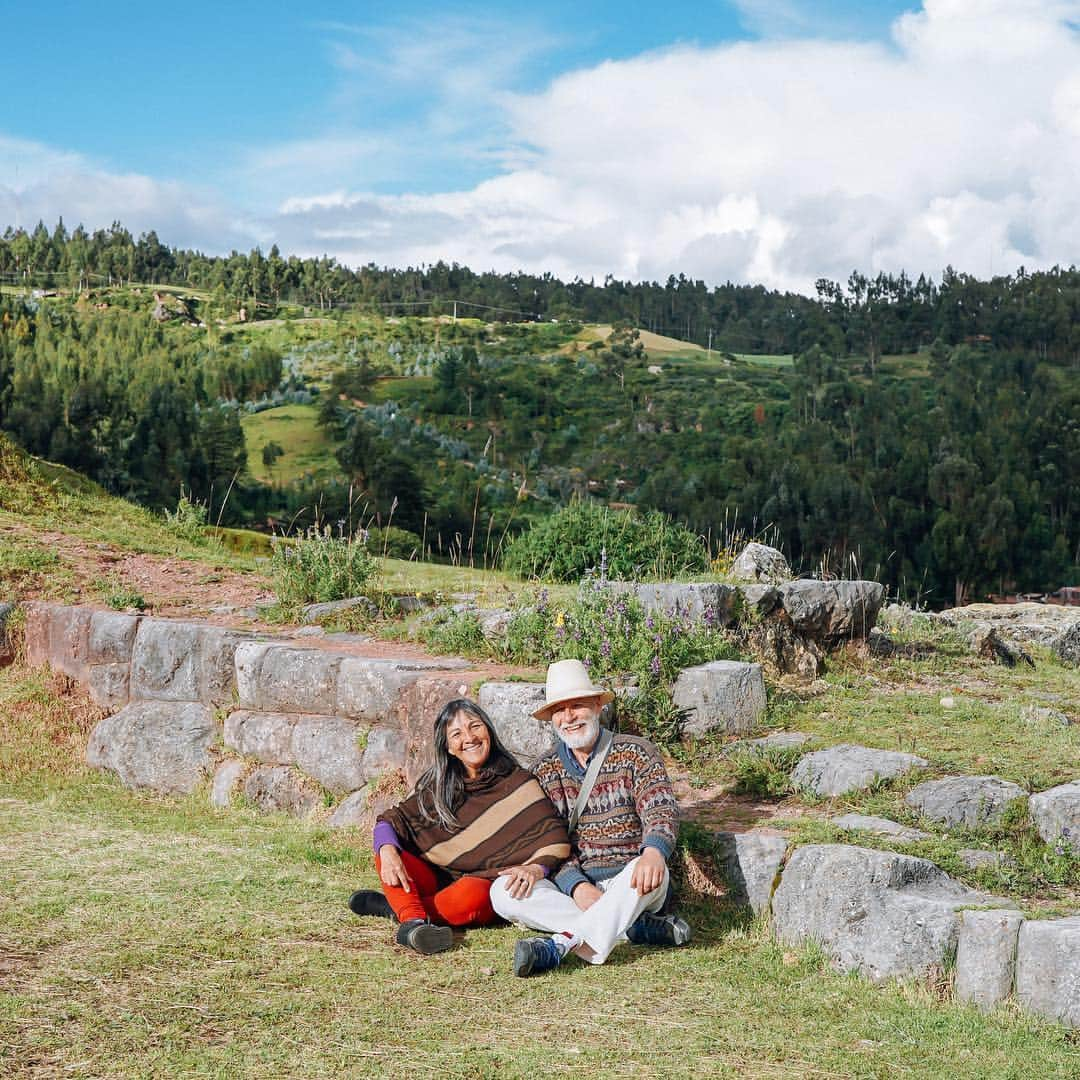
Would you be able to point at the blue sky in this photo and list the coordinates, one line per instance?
(181, 92)
(768, 140)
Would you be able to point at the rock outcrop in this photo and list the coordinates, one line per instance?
(844, 768)
(970, 801)
(876, 912)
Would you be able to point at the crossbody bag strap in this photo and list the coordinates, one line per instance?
(602, 748)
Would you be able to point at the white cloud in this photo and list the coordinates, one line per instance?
(38, 182)
(777, 161)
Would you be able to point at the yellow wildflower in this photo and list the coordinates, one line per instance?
(559, 618)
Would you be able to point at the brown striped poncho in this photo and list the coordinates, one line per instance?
(505, 820)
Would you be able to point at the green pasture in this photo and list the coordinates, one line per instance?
(295, 428)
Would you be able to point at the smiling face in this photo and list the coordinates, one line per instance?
(468, 739)
(577, 722)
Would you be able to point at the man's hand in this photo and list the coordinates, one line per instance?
(649, 872)
(585, 895)
(392, 870)
(522, 879)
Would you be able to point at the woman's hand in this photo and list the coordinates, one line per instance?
(392, 870)
(522, 879)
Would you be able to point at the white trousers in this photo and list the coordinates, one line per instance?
(602, 926)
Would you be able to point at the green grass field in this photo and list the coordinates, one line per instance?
(308, 449)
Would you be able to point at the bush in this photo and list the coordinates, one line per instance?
(455, 632)
(617, 641)
(188, 523)
(624, 544)
(393, 542)
(764, 773)
(318, 567)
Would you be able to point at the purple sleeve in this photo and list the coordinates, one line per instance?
(384, 834)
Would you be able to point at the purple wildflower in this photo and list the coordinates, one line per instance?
(654, 667)
(605, 648)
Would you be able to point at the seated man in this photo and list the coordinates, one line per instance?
(621, 837)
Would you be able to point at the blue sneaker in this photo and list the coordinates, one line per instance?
(659, 930)
(534, 955)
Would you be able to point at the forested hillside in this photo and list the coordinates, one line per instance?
(926, 433)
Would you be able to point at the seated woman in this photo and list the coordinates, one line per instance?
(475, 815)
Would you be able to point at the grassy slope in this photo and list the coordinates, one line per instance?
(146, 936)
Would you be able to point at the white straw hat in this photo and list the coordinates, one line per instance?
(566, 681)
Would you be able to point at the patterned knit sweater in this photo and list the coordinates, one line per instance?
(504, 820)
(631, 807)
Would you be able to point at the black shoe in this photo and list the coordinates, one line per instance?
(370, 902)
(534, 955)
(424, 937)
(659, 930)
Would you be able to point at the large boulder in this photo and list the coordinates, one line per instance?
(777, 740)
(1066, 645)
(280, 678)
(1056, 813)
(759, 562)
(832, 612)
(267, 737)
(112, 637)
(985, 642)
(1047, 963)
(278, 787)
(759, 600)
(108, 684)
(369, 689)
(750, 863)
(879, 913)
(986, 956)
(331, 750)
(847, 767)
(165, 661)
(510, 706)
(725, 695)
(1022, 624)
(879, 826)
(58, 635)
(701, 602)
(970, 801)
(386, 750)
(161, 745)
(784, 650)
(110, 643)
(352, 812)
(313, 613)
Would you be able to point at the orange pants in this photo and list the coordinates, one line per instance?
(465, 902)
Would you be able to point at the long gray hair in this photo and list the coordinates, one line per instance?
(441, 790)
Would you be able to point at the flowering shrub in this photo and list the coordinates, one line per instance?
(455, 632)
(319, 566)
(623, 647)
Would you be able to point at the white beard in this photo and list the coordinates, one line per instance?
(582, 739)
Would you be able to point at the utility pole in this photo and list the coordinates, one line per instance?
(455, 312)
(709, 350)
